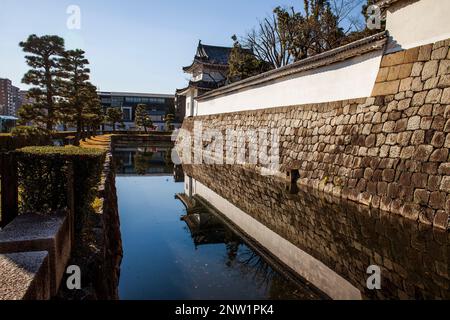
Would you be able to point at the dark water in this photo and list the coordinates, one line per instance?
(167, 257)
(240, 235)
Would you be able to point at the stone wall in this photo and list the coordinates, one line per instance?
(98, 251)
(387, 151)
(345, 236)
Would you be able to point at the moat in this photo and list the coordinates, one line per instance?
(222, 232)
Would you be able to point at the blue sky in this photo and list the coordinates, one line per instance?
(135, 45)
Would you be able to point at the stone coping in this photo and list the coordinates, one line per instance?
(23, 276)
(31, 227)
(33, 233)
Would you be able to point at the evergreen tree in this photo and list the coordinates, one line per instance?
(76, 89)
(44, 77)
(113, 116)
(169, 122)
(243, 63)
(143, 119)
(92, 109)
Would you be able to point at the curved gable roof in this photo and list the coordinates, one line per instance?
(211, 55)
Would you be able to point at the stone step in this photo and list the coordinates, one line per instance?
(31, 233)
(25, 276)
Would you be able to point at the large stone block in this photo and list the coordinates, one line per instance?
(405, 71)
(434, 96)
(32, 232)
(441, 219)
(446, 96)
(430, 69)
(421, 196)
(419, 99)
(444, 68)
(411, 55)
(445, 184)
(386, 88)
(425, 52)
(423, 152)
(414, 123)
(393, 59)
(437, 200)
(440, 53)
(439, 155)
(24, 276)
(393, 73)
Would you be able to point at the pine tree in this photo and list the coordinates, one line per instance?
(76, 89)
(92, 113)
(143, 119)
(113, 116)
(44, 76)
(243, 63)
(169, 122)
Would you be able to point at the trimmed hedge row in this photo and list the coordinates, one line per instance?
(45, 174)
(24, 136)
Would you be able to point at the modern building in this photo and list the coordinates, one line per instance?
(158, 106)
(9, 97)
(24, 99)
(180, 106)
(7, 123)
(208, 72)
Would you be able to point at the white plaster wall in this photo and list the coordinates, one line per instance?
(190, 102)
(353, 78)
(412, 24)
(305, 265)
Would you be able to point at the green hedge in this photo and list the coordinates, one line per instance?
(43, 179)
(24, 136)
(33, 135)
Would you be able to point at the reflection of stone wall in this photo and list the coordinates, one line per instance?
(389, 151)
(345, 236)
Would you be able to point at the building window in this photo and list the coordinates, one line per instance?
(117, 101)
(127, 115)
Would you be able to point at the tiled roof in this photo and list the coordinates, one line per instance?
(353, 49)
(213, 55)
(205, 85)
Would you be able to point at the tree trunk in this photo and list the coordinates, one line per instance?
(78, 134)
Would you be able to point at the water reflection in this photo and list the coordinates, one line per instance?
(143, 160)
(327, 241)
(238, 235)
(176, 251)
(207, 227)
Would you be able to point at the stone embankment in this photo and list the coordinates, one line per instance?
(387, 151)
